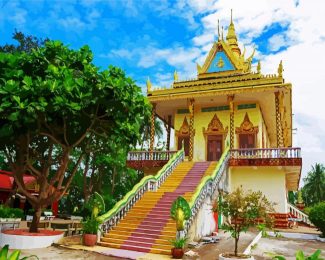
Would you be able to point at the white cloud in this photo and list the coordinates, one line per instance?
(276, 42)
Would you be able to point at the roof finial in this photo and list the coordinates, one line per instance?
(218, 31)
(230, 15)
(149, 86)
(222, 32)
(175, 76)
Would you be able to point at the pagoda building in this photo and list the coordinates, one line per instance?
(233, 127)
(231, 106)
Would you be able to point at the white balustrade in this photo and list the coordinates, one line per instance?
(266, 153)
(149, 156)
(299, 214)
(148, 185)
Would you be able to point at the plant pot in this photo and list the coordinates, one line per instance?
(177, 253)
(90, 239)
(230, 256)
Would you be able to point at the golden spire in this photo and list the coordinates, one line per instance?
(148, 85)
(222, 33)
(218, 31)
(175, 76)
(232, 37)
(259, 67)
(280, 69)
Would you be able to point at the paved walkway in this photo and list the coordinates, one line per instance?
(286, 247)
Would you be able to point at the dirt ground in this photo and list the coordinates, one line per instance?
(226, 244)
(58, 253)
(286, 247)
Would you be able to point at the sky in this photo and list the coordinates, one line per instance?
(153, 38)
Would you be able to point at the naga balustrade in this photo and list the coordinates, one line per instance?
(207, 187)
(141, 159)
(299, 214)
(265, 153)
(148, 183)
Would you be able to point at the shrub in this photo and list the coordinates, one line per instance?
(317, 216)
(6, 212)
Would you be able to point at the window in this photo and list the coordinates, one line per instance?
(246, 141)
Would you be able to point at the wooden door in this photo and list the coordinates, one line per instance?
(214, 148)
(186, 140)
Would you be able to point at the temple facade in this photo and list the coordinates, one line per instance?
(232, 106)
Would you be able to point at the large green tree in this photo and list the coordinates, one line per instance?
(313, 190)
(55, 103)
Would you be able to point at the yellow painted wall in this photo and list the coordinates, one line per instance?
(202, 119)
(269, 180)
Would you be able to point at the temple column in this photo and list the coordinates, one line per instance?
(231, 121)
(152, 128)
(168, 127)
(279, 132)
(191, 128)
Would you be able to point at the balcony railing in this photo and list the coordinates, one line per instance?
(150, 156)
(267, 153)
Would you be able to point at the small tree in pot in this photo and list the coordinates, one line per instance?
(243, 210)
(90, 228)
(91, 225)
(180, 211)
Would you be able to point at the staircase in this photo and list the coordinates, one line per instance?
(148, 227)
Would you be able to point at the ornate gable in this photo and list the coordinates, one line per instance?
(215, 127)
(184, 130)
(247, 127)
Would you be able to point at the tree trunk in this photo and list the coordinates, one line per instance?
(113, 180)
(36, 218)
(236, 244)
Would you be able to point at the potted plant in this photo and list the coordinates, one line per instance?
(90, 228)
(91, 225)
(243, 210)
(178, 247)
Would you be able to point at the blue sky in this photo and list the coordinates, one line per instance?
(155, 37)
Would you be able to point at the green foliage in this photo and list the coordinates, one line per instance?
(6, 212)
(91, 226)
(178, 243)
(14, 255)
(243, 210)
(292, 197)
(262, 228)
(180, 211)
(96, 204)
(26, 43)
(56, 108)
(299, 256)
(313, 190)
(317, 216)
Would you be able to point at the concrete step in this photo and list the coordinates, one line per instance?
(137, 248)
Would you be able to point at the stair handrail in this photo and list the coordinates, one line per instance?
(207, 187)
(147, 183)
(298, 213)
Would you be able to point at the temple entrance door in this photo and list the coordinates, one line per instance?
(186, 144)
(214, 148)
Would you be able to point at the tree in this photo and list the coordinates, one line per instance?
(313, 190)
(54, 103)
(26, 43)
(146, 130)
(243, 210)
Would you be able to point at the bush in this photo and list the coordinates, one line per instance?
(6, 212)
(317, 216)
